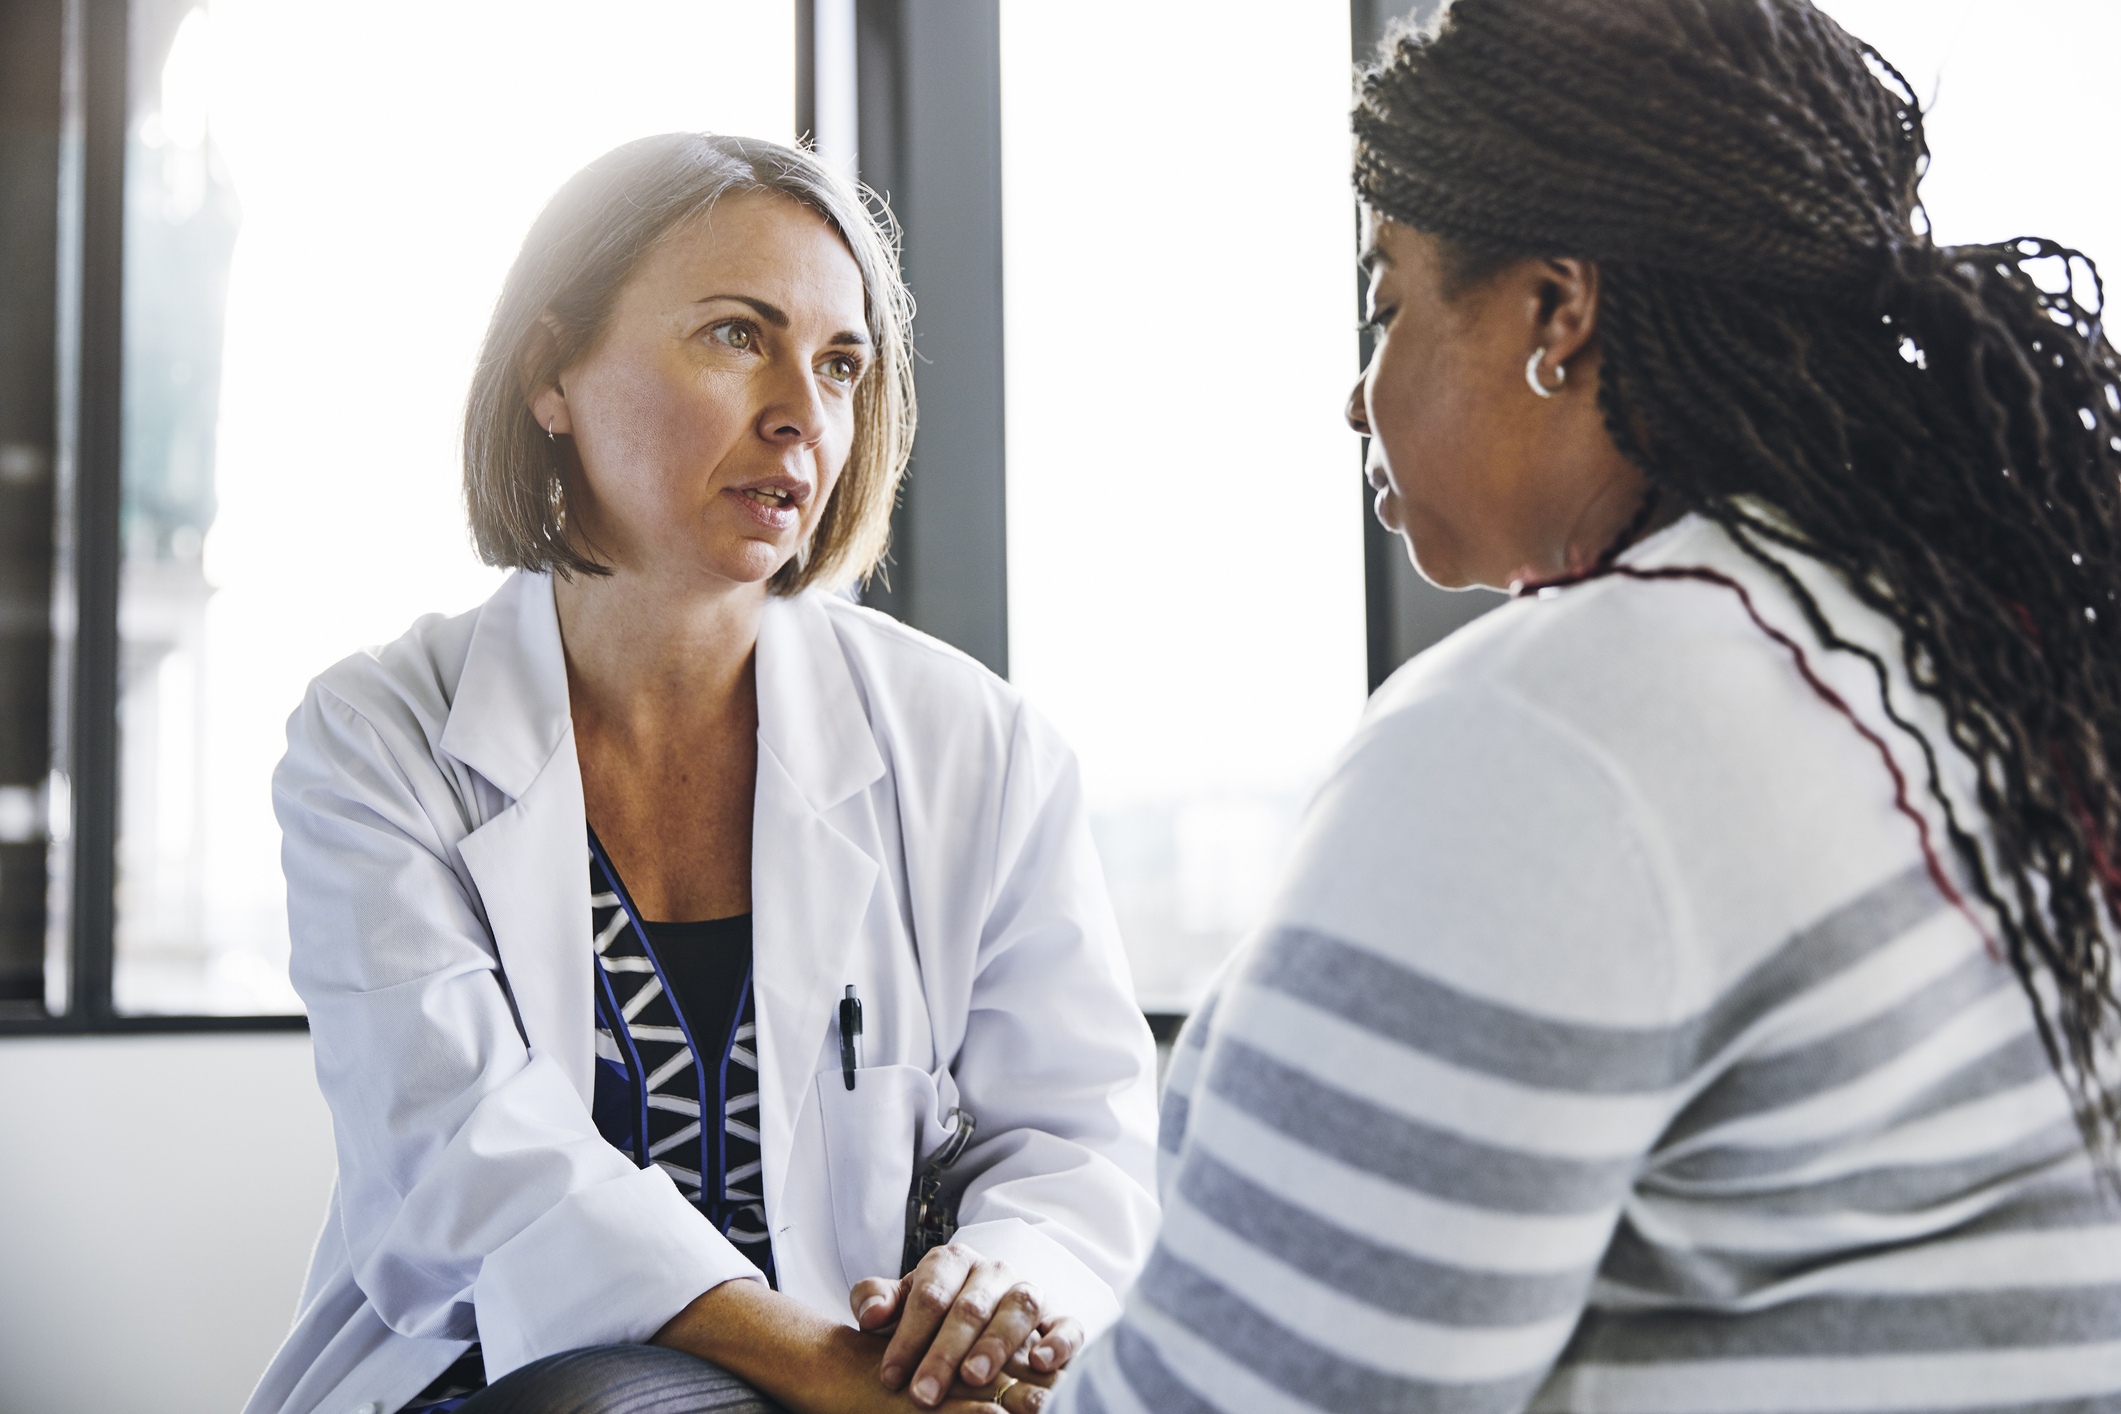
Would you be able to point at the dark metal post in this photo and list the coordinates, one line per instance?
(1405, 612)
(806, 71)
(930, 117)
(1379, 546)
(102, 59)
(32, 47)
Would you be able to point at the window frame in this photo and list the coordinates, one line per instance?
(87, 282)
(87, 290)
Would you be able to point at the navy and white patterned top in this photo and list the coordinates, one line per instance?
(677, 1061)
(675, 1047)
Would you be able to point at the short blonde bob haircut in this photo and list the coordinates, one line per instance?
(580, 252)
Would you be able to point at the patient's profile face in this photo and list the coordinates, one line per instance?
(713, 414)
(1445, 404)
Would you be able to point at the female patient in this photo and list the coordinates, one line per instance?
(657, 915)
(1694, 988)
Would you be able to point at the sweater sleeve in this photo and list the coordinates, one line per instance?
(1397, 1146)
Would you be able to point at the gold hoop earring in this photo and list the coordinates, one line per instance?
(1531, 375)
(556, 489)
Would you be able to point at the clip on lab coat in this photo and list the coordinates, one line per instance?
(931, 1219)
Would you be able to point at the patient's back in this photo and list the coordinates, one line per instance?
(1614, 1045)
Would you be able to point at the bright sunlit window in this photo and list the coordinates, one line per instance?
(1185, 541)
(321, 202)
(1184, 532)
(2019, 102)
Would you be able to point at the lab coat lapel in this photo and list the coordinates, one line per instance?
(510, 723)
(811, 885)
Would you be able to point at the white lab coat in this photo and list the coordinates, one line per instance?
(917, 832)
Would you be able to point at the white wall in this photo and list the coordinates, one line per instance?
(158, 1199)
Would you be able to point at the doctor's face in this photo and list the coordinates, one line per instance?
(714, 413)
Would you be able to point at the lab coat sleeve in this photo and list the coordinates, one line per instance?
(479, 1200)
(1057, 1062)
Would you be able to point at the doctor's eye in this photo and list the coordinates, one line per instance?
(843, 368)
(739, 334)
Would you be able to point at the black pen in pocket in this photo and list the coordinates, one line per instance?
(850, 1035)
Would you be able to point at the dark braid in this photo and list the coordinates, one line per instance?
(1783, 349)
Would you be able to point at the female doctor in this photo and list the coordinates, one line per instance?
(580, 881)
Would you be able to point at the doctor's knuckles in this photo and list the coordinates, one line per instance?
(445, 1047)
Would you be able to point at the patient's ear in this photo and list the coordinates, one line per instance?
(1567, 307)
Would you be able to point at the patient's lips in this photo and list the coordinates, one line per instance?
(1381, 503)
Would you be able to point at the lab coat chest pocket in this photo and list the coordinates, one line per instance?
(870, 1135)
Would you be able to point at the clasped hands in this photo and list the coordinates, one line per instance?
(965, 1327)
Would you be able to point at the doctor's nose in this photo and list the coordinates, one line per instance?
(796, 413)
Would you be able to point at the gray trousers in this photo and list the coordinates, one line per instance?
(619, 1379)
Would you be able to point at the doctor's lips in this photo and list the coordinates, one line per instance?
(775, 501)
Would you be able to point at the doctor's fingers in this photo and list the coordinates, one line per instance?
(1030, 1390)
(965, 1401)
(992, 1319)
(1060, 1340)
(924, 1298)
(1024, 1397)
(875, 1302)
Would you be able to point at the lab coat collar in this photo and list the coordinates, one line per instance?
(509, 722)
(511, 714)
(510, 711)
(811, 718)
(811, 885)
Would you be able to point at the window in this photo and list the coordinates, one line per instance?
(1184, 518)
(319, 204)
(2009, 92)
(1185, 514)
(252, 245)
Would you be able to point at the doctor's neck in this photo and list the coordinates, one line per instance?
(643, 646)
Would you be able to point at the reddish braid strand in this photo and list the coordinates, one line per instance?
(1608, 567)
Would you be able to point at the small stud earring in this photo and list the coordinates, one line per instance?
(1531, 375)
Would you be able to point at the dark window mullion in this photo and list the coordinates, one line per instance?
(32, 45)
(806, 72)
(102, 78)
(1366, 26)
(929, 100)
(1405, 613)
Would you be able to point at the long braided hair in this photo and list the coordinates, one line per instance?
(1784, 350)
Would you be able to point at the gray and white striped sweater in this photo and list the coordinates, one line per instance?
(1611, 1049)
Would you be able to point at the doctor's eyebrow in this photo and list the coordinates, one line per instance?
(776, 316)
(1372, 256)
